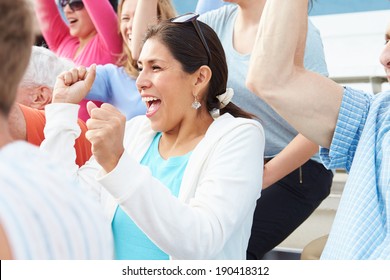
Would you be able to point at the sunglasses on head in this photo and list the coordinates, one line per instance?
(74, 5)
(191, 17)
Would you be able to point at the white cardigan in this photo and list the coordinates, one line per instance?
(212, 216)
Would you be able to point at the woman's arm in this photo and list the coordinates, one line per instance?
(294, 155)
(105, 20)
(52, 26)
(224, 199)
(62, 129)
(145, 15)
(308, 101)
(100, 89)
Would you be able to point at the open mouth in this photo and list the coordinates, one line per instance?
(152, 105)
(72, 20)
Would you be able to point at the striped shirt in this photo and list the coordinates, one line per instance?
(43, 214)
(361, 144)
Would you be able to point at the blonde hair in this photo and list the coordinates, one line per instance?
(165, 10)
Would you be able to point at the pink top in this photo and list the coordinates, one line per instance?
(103, 48)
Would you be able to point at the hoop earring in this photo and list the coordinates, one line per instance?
(196, 104)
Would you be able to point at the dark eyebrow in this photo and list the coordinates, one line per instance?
(151, 61)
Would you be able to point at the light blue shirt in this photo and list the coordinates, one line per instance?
(130, 242)
(208, 5)
(113, 85)
(278, 133)
(361, 144)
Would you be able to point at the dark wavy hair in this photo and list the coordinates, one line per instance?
(184, 43)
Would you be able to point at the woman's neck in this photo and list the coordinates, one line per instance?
(83, 42)
(249, 12)
(246, 25)
(185, 138)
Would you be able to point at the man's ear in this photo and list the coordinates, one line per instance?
(41, 97)
(203, 77)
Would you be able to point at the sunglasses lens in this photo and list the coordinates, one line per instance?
(76, 6)
(73, 5)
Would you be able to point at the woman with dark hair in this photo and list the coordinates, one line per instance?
(168, 180)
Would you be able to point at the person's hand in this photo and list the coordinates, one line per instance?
(72, 86)
(106, 129)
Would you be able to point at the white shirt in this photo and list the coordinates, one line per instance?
(45, 215)
(212, 216)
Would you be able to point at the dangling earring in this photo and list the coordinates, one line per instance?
(196, 104)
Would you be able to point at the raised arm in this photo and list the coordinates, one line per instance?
(105, 21)
(308, 101)
(52, 26)
(62, 129)
(145, 15)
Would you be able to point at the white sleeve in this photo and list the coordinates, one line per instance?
(61, 131)
(225, 197)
